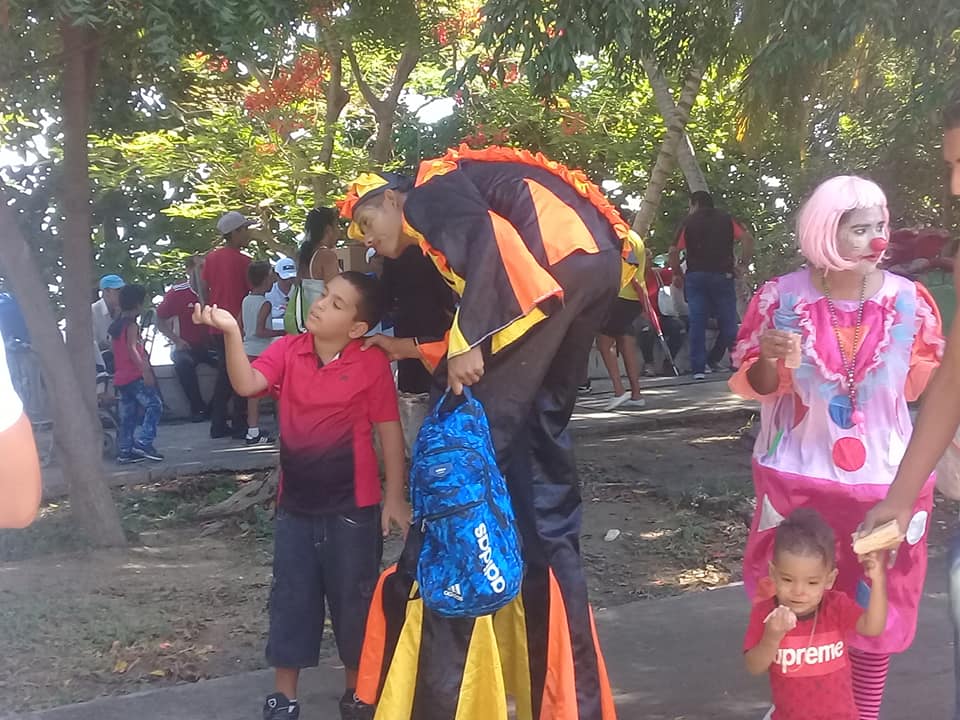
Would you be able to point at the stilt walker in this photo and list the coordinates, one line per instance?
(536, 254)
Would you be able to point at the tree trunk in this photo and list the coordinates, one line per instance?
(667, 157)
(385, 109)
(70, 371)
(686, 157)
(337, 98)
(78, 439)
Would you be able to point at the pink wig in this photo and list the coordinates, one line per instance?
(820, 217)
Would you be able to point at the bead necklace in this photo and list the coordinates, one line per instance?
(849, 366)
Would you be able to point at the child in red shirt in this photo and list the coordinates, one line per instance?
(329, 526)
(799, 625)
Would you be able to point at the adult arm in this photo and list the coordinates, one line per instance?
(934, 430)
(264, 316)
(166, 311)
(20, 470)
(246, 380)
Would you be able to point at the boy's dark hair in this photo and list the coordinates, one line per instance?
(370, 307)
(701, 199)
(257, 272)
(805, 532)
(132, 297)
(951, 113)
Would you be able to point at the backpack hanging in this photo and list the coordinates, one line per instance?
(470, 562)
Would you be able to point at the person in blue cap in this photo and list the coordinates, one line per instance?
(105, 311)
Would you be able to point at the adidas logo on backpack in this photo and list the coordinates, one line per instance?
(454, 592)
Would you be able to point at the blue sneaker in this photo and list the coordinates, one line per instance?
(130, 457)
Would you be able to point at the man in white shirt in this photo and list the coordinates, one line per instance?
(20, 469)
(279, 295)
(105, 311)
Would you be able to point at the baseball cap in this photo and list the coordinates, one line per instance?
(111, 282)
(233, 221)
(285, 268)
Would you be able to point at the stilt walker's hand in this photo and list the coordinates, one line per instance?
(464, 370)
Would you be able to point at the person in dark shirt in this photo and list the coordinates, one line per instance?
(421, 305)
(708, 236)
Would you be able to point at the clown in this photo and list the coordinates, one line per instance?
(862, 342)
(535, 253)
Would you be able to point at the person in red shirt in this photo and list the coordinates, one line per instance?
(332, 393)
(799, 625)
(191, 342)
(135, 382)
(674, 327)
(225, 285)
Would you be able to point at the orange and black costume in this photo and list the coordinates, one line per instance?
(535, 253)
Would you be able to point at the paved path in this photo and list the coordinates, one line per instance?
(674, 659)
(189, 449)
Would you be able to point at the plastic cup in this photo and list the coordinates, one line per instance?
(792, 361)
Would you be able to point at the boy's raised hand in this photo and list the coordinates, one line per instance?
(215, 317)
(780, 621)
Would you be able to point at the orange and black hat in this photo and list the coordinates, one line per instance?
(365, 187)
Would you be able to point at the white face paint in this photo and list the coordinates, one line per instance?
(862, 237)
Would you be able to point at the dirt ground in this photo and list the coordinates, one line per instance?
(665, 513)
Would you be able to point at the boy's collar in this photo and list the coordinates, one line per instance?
(307, 347)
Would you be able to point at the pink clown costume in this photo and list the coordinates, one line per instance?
(813, 450)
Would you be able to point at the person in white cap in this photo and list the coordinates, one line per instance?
(105, 311)
(225, 285)
(279, 295)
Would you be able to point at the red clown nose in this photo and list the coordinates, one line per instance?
(879, 244)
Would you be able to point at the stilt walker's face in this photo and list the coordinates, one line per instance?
(381, 221)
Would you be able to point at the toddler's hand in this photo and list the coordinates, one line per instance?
(780, 621)
(874, 566)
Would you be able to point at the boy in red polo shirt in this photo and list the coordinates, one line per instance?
(328, 537)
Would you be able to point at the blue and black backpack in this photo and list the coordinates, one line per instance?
(470, 562)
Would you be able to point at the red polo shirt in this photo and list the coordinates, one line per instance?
(178, 303)
(225, 273)
(327, 460)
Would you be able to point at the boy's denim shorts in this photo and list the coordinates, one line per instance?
(318, 560)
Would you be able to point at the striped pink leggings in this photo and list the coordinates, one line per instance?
(869, 678)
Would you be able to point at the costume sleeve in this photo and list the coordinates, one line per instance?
(928, 344)
(481, 252)
(271, 363)
(746, 353)
(382, 393)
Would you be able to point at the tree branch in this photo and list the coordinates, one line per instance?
(378, 105)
